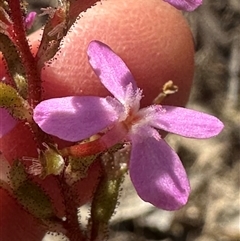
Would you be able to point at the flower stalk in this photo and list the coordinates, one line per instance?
(28, 60)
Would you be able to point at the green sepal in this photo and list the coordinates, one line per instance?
(52, 162)
(14, 64)
(29, 194)
(35, 200)
(105, 199)
(14, 103)
(78, 168)
(17, 174)
(81, 164)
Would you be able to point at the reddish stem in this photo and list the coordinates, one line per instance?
(19, 37)
(84, 149)
(74, 232)
(109, 139)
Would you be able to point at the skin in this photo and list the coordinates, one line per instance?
(150, 36)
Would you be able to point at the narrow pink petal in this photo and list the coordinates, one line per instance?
(157, 174)
(78, 117)
(186, 5)
(110, 68)
(29, 20)
(185, 122)
(7, 122)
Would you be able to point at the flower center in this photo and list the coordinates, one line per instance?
(132, 119)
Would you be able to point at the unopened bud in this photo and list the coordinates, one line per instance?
(29, 20)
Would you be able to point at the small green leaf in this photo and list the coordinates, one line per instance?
(14, 64)
(17, 174)
(29, 194)
(105, 198)
(14, 103)
(35, 200)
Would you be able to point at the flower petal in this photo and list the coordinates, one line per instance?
(157, 173)
(186, 5)
(185, 122)
(110, 68)
(7, 122)
(78, 117)
(29, 19)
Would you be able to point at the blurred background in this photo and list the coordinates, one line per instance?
(213, 166)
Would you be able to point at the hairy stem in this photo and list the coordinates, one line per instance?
(33, 76)
(74, 232)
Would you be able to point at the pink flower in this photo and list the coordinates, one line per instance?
(186, 5)
(155, 169)
(29, 19)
